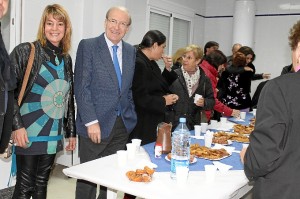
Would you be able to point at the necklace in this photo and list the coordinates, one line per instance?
(55, 55)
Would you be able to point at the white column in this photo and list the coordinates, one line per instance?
(243, 22)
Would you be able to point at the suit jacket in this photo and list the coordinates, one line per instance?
(272, 158)
(96, 86)
(149, 86)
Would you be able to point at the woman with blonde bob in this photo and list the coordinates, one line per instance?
(46, 111)
(191, 81)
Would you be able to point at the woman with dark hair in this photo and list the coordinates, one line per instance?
(211, 64)
(150, 89)
(250, 57)
(237, 86)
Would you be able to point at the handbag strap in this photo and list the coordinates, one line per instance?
(27, 72)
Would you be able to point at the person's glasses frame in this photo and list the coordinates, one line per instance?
(115, 22)
(187, 57)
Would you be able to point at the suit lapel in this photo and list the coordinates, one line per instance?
(125, 65)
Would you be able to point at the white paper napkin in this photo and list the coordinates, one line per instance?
(197, 137)
(143, 163)
(225, 127)
(239, 120)
(221, 166)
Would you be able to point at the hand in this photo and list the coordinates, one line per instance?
(20, 137)
(235, 113)
(242, 154)
(247, 68)
(200, 102)
(168, 62)
(72, 144)
(94, 133)
(266, 75)
(171, 99)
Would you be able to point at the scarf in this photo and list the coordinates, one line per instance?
(191, 80)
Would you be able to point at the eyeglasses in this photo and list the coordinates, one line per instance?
(187, 57)
(114, 22)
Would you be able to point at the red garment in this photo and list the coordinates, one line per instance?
(212, 74)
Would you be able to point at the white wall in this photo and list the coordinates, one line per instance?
(270, 36)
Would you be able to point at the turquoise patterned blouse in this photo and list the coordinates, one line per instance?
(44, 108)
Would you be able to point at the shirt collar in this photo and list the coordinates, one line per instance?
(110, 44)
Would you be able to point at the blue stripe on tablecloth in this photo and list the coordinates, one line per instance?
(164, 165)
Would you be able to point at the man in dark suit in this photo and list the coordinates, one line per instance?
(103, 81)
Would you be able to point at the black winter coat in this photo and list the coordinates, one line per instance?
(185, 106)
(148, 89)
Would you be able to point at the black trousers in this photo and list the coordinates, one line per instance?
(32, 176)
(89, 150)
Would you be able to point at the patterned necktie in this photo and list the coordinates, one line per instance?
(116, 64)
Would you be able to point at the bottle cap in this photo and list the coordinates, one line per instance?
(182, 119)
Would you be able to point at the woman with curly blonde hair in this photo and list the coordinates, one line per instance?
(272, 159)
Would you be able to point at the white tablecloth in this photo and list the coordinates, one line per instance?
(104, 171)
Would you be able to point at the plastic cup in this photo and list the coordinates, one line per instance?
(210, 173)
(122, 158)
(213, 124)
(197, 97)
(131, 150)
(208, 139)
(137, 143)
(182, 174)
(223, 120)
(254, 112)
(204, 127)
(243, 115)
(197, 130)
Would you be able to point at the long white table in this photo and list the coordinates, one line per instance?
(104, 171)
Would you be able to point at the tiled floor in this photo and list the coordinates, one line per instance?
(62, 187)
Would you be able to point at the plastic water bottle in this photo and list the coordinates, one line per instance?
(180, 147)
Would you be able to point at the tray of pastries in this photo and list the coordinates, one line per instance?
(193, 159)
(243, 129)
(222, 137)
(208, 153)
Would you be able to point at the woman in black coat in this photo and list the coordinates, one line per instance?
(150, 89)
(237, 86)
(191, 81)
